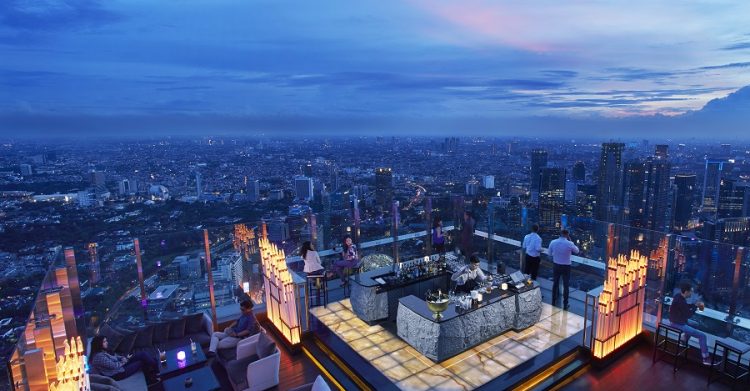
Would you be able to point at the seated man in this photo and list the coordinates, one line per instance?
(466, 278)
(679, 313)
(243, 327)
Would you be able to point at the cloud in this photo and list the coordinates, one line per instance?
(53, 15)
(737, 46)
(727, 66)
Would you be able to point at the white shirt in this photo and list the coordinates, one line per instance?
(561, 249)
(465, 274)
(532, 243)
(312, 262)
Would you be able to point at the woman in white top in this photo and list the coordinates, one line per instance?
(312, 259)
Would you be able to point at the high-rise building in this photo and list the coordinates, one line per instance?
(657, 193)
(538, 161)
(307, 170)
(278, 230)
(253, 190)
(551, 197)
(384, 187)
(733, 199)
(472, 187)
(661, 151)
(488, 181)
(586, 200)
(97, 179)
(635, 193)
(303, 187)
(711, 184)
(726, 150)
(127, 187)
(198, 185)
(579, 171)
(683, 201)
(609, 182)
(450, 145)
(26, 170)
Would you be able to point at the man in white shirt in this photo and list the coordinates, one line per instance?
(532, 246)
(561, 250)
(466, 278)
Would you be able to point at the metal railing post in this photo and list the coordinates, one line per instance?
(428, 224)
(210, 279)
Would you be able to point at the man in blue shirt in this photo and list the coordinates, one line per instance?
(243, 327)
(561, 250)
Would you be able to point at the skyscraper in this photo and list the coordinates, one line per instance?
(726, 150)
(661, 151)
(97, 179)
(198, 185)
(253, 189)
(26, 169)
(551, 197)
(579, 171)
(733, 199)
(711, 184)
(384, 187)
(127, 187)
(609, 183)
(307, 170)
(635, 193)
(303, 187)
(657, 192)
(683, 201)
(538, 161)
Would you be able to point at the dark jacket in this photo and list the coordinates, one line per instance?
(680, 310)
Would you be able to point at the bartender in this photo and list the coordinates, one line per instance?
(468, 277)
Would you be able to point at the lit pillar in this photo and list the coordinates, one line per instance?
(428, 224)
(357, 220)
(75, 289)
(667, 262)
(610, 241)
(395, 225)
(210, 279)
(490, 231)
(139, 265)
(735, 288)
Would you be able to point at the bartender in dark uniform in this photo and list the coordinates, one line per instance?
(468, 277)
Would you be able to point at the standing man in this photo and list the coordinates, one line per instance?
(532, 246)
(467, 235)
(561, 249)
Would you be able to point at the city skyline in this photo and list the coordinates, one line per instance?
(421, 68)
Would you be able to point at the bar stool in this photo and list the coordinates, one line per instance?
(730, 367)
(670, 340)
(349, 271)
(317, 287)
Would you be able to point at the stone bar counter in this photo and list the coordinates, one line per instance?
(459, 330)
(373, 301)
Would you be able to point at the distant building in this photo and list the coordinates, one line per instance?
(635, 193)
(711, 185)
(472, 187)
(190, 267)
(734, 197)
(661, 151)
(579, 171)
(657, 191)
(26, 170)
(538, 161)
(278, 230)
(307, 170)
(127, 187)
(303, 188)
(158, 193)
(276, 194)
(97, 179)
(551, 197)
(488, 181)
(253, 190)
(198, 185)
(683, 201)
(610, 182)
(383, 187)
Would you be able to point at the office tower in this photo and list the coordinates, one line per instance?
(450, 145)
(683, 201)
(609, 183)
(472, 187)
(307, 170)
(661, 151)
(711, 184)
(97, 179)
(278, 230)
(303, 188)
(127, 187)
(579, 171)
(551, 197)
(26, 169)
(586, 200)
(253, 190)
(538, 161)
(657, 193)
(198, 185)
(333, 177)
(384, 187)
(733, 199)
(94, 264)
(488, 182)
(635, 193)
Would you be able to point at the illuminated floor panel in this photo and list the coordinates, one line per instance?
(410, 370)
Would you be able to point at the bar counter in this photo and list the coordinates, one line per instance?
(459, 330)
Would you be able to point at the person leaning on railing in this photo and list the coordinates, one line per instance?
(243, 327)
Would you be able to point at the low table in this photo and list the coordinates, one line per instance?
(203, 380)
(173, 367)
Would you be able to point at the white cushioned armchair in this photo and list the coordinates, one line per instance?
(249, 372)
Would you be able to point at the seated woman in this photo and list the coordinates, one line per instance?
(313, 265)
(349, 259)
(119, 367)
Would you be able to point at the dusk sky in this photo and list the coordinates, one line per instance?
(347, 66)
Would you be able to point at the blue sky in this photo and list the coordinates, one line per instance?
(377, 66)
